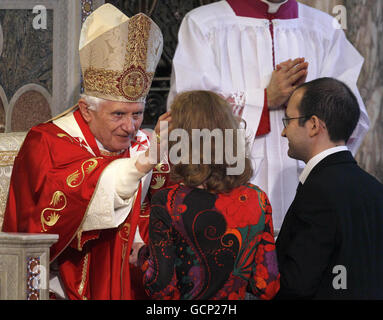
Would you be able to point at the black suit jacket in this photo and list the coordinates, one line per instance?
(336, 219)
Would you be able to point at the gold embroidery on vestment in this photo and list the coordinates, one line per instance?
(159, 182)
(161, 168)
(83, 276)
(72, 179)
(125, 231)
(53, 217)
(63, 135)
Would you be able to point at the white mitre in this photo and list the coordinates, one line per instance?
(118, 54)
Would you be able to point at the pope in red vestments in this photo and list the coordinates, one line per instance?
(85, 174)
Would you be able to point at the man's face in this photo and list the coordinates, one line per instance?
(297, 135)
(115, 124)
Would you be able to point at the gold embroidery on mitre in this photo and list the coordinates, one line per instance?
(137, 47)
(73, 179)
(102, 81)
(133, 83)
(53, 217)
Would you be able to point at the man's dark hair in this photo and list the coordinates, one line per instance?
(334, 103)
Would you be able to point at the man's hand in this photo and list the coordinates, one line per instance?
(287, 76)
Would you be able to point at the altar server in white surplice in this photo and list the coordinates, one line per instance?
(255, 53)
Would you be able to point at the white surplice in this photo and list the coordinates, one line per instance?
(233, 56)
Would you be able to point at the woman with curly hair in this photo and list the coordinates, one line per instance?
(211, 233)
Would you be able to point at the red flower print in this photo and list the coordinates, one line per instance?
(242, 292)
(261, 271)
(271, 290)
(268, 237)
(260, 283)
(234, 296)
(145, 266)
(264, 200)
(181, 208)
(260, 255)
(269, 247)
(240, 207)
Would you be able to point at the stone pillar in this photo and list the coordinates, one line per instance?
(24, 265)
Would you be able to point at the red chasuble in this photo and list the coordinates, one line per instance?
(52, 184)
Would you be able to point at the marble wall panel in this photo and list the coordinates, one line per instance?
(33, 104)
(27, 55)
(365, 31)
(44, 57)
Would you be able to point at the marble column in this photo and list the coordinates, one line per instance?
(24, 265)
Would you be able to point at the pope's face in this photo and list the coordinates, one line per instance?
(115, 123)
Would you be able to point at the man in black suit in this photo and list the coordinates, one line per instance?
(331, 242)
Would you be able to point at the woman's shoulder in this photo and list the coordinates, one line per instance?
(253, 187)
(243, 206)
(160, 196)
(246, 189)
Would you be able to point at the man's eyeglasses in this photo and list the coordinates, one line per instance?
(287, 120)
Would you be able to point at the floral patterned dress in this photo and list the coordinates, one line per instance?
(210, 246)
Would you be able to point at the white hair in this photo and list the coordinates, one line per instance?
(92, 102)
